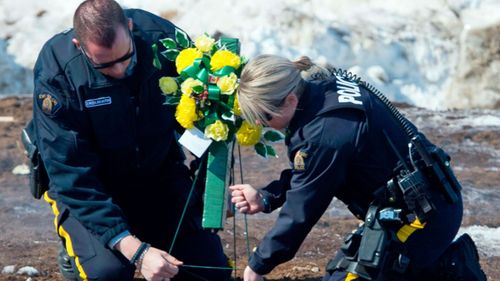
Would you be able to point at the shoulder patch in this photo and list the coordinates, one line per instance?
(49, 104)
(298, 161)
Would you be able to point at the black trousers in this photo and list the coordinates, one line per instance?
(94, 261)
(153, 214)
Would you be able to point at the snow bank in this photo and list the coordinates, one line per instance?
(431, 53)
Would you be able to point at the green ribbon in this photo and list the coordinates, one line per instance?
(210, 118)
(192, 70)
(197, 70)
(213, 92)
(230, 102)
(202, 75)
(226, 70)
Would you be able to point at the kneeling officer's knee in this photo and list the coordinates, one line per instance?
(460, 262)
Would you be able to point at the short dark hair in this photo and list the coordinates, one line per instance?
(97, 20)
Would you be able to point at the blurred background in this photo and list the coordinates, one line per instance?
(429, 53)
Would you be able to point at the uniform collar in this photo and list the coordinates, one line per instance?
(310, 102)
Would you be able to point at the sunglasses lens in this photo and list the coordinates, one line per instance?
(268, 116)
(108, 64)
(111, 63)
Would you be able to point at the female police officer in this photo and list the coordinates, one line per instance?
(344, 142)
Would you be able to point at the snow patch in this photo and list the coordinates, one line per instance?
(487, 239)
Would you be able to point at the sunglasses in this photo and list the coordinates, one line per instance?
(268, 116)
(111, 63)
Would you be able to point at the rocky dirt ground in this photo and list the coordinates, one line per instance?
(27, 239)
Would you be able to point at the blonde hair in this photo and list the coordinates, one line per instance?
(266, 81)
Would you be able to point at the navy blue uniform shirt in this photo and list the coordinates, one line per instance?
(338, 149)
(109, 145)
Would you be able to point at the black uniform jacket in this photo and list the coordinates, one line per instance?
(107, 144)
(338, 149)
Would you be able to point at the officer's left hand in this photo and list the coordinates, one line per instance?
(250, 275)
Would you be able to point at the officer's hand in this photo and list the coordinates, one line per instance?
(157, 265)
(250, 275)
(246, 198)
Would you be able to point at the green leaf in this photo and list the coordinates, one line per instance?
(170, 54)
(260, 148)
(198, 89)
(271, 151)
(156, 60)
(181, 38)
(168, 43)
(171, 100)
(244, 60)
(273, 136)
(231, 44)
(228, 115)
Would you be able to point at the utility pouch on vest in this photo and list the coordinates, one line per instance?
(351, 244)
(428, 167)
(374, 242)
(437, 163)
(372, 252)
(414, 189)
(38, 179)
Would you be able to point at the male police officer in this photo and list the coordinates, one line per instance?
(117, 179)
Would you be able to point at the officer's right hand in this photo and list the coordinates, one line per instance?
(246, 199)
(158, 265)
(250, 275)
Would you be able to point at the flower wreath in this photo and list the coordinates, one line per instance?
(204, 92)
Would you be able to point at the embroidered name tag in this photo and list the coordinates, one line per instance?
(97, 102)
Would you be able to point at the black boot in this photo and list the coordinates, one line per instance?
(460, 262)
(65, 266)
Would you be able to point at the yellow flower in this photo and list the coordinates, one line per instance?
(188, 84)
(204, 43)
(248, 134)
(236, 106)
(186, 58)
(231, 263)
(168, 85)
(217, 131)
(185, 113)
(227, 84)
(223, 58)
